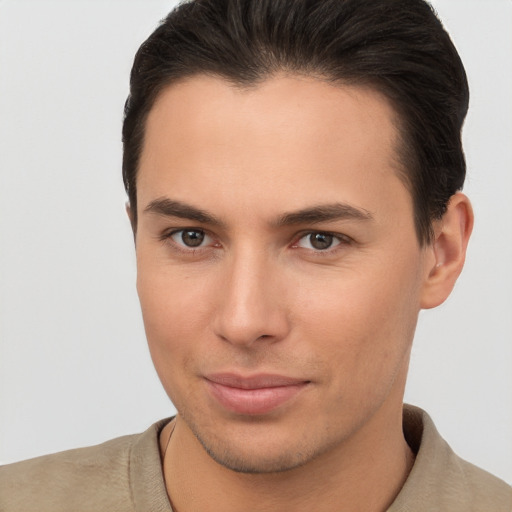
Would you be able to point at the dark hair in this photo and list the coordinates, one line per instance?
(396, 47)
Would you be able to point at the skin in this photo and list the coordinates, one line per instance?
(256, 297)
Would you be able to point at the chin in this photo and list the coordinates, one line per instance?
(256, 450)
(255, 463)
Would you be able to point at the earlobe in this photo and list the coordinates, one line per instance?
(452, 234)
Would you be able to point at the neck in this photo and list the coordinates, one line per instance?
(365, 473)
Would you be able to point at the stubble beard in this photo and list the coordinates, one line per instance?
(227, 455)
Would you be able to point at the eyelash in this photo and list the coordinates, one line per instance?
(167, 238)
(343, 241)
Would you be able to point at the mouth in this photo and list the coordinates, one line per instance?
(253, 395)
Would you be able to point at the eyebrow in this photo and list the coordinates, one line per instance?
(170, 208)
(324, 213)
(312, 215)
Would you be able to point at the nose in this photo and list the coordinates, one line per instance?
(251, 307)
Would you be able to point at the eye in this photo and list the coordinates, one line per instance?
(318, 241)
(191, 238)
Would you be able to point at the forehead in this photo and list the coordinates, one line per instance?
(302, 138)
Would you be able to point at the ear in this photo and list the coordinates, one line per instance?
(129, 212)
(451, 235)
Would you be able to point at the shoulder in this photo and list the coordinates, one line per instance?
(96, 476)
(440, 480)
(485, 491)
(83, 479)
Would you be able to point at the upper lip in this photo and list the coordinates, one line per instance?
(259, 381)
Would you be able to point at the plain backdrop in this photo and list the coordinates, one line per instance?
(74, 366)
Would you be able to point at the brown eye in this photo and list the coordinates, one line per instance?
(318, 241)
(189, 237)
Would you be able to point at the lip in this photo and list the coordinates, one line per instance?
(255, 394)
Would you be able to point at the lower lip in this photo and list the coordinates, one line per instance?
(254, 401)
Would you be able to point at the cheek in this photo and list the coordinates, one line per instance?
(364, 322)
(172, 323)
(169, 295)
(175, 320)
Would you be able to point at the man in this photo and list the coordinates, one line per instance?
(293, 171)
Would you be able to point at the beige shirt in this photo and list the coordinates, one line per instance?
(125, 474)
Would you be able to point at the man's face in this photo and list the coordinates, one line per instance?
(279, 271)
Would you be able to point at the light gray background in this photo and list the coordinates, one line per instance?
(74, 367)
